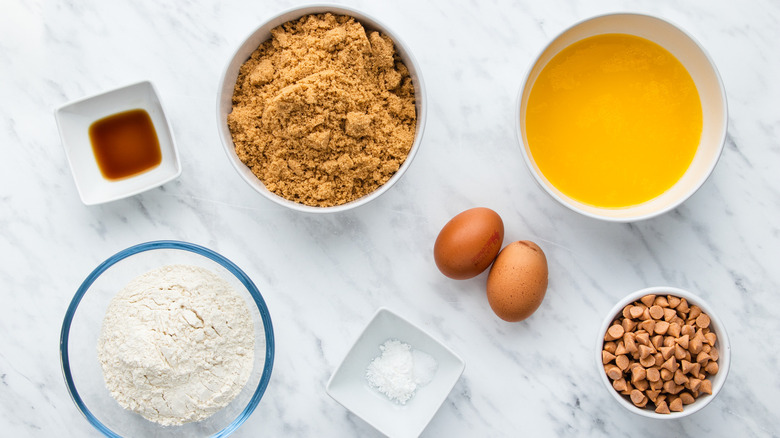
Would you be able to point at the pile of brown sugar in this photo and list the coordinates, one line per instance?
(324, 111)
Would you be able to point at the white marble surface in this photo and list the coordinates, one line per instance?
(324, 276)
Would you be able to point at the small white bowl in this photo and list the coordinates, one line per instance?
(722, 344)
(229, 76)
(708, 83)
(74, 120)
(349, 387)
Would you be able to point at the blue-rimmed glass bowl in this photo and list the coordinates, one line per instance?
(84, 318)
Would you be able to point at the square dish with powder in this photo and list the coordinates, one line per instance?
(395, 407)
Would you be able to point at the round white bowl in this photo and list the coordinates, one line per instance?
(722, 344)
(708, 83)
(229, 76)
(84, 318)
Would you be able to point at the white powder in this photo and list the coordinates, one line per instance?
(400, 370)
(177, 345)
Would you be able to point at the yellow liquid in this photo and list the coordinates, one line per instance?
(613, 120)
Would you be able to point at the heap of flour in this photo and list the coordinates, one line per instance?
(177, 345)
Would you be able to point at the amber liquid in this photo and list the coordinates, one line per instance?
(125, 144)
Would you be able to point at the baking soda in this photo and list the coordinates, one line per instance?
(400, 370)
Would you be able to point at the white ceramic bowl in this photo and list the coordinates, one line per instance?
(722, 344)
(74, 120)
(252, 42)
(349, 387)
(711, 93)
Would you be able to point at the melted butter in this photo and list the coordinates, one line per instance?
(613, 120)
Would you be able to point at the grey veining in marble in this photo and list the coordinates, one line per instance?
(324, 276)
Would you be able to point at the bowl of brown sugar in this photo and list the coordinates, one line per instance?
(321, 109)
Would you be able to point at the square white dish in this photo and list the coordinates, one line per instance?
(74, 120)
(349, 387)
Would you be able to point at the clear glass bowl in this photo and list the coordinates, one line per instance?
(84, 318)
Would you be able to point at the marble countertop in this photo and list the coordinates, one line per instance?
(324, 276)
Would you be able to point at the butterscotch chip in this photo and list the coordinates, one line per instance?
(711, 368)
(643, 338)
(657, 312)
(711, 338)
(669, 313)
(686, 366)
(662, 408)
(674, 329)
(641, 385)
(622, 362)
(610, 346)
(628, 324)
(647, 361)
(679, 377)
(619, 384)
(673, 301)
(703, 357)
(616, 331)
(670, 364)
(613, 372)
(606, 356)
(687, 330)
(686, 398)
(637, 374)
(703, 320)
(694, 384)
(636, 311)
(620, 349)
(676, 405)
(653, 374)
(683, 306)
(637, 397)
(661, 301)
(666, 375)
(694, 312)
(694, 346)
(652, 394)
(679, 352)
(628, 341)
(706, 386)
(667, 352)
(648, 326)
(648, 300)
(714, 354)
(661, 327)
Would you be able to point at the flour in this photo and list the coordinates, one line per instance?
(177, 345)
(400, 370)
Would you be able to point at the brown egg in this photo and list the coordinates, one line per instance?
(517, 281)
(469, 243)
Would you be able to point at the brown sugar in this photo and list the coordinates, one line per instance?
(324, 111)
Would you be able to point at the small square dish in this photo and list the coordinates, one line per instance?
(74, 121)
(349, 384)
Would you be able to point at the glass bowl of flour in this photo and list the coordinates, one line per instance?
(167, 338)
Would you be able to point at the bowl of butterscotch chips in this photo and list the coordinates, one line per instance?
(321, 109)
(663, 353)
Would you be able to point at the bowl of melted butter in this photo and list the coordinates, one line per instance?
(622, 117)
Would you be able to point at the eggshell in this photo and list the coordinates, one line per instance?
(469, 243)
(517, 282)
